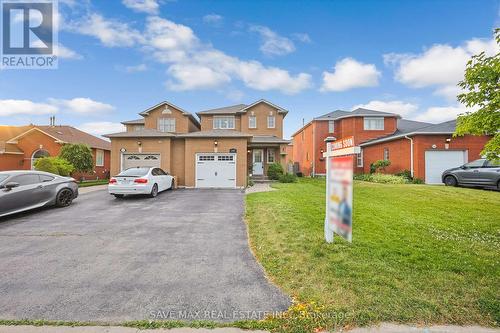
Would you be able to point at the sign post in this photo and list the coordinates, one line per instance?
(339, 178)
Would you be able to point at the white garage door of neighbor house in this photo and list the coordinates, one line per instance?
(141, 160)
(436, 161)
(216, 170)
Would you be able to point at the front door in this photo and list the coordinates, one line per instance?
(258, 162)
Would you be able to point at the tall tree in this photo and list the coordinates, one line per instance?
(482, 91)
(79, 155)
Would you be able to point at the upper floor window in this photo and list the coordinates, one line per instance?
(331, 126)
(224, 122)
(252, 122)
(386, 154)
(138, 127)
(271, 121)
(166, 124)
(373, 123)
(99, 158)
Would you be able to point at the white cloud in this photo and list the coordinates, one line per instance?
(145, 6)
(192, 76)
(14, 107)
(136, 69)
(441, 66)
(101, 127)
(404, 109)
(66, 53)
(438, 114)
(192, 64)
(81, 105)
(302, 37)
(110, 33)
(272, 43)
(348, 74)
(212, 19)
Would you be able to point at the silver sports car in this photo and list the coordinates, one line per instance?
(24, 190)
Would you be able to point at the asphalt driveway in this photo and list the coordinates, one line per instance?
(182, 255)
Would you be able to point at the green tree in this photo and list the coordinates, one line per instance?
(56, 165)
(482, 91)
(79, 155)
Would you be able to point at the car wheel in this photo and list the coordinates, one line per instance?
(119, 196)
(64, 198)
(450, 181)
(154, 191)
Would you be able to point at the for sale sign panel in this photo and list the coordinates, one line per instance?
(339, 198)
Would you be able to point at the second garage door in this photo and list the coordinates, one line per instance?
(436, 161)
(216, 170)
(141, 160)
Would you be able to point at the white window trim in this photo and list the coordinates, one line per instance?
(359, 158)
(222, 117)
(331, 126)
(274, 155)
(97, 153)
(274, 121)
(250, 123)
(164, 118)
(374, 119)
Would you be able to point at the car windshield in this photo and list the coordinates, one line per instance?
(475, 164)
(134, 172)
(3, 177)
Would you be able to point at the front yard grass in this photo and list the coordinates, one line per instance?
(420, 254)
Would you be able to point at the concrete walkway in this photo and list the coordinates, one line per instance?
(383, 328)
(88, 189)
(259, 187)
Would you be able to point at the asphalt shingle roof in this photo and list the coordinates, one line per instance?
(133, 122)
(215, 134)
(145, 133)
(225, 110)
(268, 139)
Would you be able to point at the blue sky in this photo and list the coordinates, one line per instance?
(119, 57)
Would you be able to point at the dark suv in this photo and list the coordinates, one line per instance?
(480, 172)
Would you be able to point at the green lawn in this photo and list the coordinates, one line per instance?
(88, 183)
(420, 254)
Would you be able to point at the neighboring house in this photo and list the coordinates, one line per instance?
(422, 148)
(20, 146)
(223, 149)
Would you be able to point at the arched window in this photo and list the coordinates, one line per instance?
(38, 154)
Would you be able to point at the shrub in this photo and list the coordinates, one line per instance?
(300, 174)
(56, 165)
(417, 181)
(79, 155)
(379, 165)
(363, 176)
(250, 182)
(405, 173)
(288, 178)
(388, 179)
(274, 171)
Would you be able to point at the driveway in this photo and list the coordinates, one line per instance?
(182, 255)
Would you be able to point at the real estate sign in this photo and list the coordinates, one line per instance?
(339, 189)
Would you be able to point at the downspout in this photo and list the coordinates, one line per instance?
(314, 151)
(411, 154)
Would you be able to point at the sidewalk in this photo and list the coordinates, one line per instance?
(88, 189)
(383, 328)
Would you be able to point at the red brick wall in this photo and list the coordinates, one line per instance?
(32, 142)
(399, 151)
(473, 144)
(302, 149)
(11, 162)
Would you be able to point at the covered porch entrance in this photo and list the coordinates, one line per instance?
(264, 151)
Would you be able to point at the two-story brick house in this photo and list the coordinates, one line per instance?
(424, 149)
(221, 149)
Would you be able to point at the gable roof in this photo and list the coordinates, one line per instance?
(411, 128)
(240, 108)
(184, 112)
(62, 134)
(216, 133)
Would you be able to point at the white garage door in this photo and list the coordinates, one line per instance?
(141, 160)
(436, 161)
(216, 170)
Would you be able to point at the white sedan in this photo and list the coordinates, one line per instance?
(140, 180)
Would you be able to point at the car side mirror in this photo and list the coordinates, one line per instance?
(10, 185)
(463, 167)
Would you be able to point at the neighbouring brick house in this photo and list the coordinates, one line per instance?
(221, 149)
(422, 148)
(20, 146)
